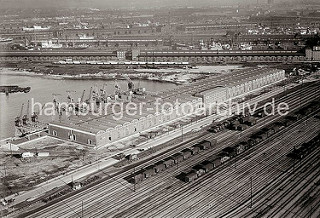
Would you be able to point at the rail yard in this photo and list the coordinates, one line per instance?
(224, 189)
(170, 109)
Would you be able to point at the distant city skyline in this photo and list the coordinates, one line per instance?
(127, 3)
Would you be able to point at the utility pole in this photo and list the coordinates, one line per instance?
(10, 148)
(181, 132)
(5, 170)
(134, 179)
(82, 209)
(251, 192)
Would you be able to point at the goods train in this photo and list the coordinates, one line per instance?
(305, 149)
(231, 152)
(227, 153)
(217, 52)
(171, 161)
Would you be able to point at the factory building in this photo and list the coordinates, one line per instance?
(105, 129)
(313, 54)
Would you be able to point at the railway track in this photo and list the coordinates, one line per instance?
(114, 184)
(274, 190)
(224, 180)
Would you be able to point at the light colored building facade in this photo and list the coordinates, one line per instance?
(103, 130)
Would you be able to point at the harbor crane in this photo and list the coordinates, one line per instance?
(69, 97)
(103, 93)
(25, 117)
(118, 89)
(18, 118)
(56, 102)
(79, 104)
(89, 100)
(130, 83)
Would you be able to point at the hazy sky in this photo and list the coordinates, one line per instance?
(105, 4)
(119, 3)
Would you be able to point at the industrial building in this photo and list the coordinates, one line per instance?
(105, 129)
(313, 54)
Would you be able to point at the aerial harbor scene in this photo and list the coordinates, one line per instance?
(157, 108)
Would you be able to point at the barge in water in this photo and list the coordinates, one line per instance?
(14, 89)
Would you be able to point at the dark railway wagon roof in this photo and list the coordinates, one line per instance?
(219, 53)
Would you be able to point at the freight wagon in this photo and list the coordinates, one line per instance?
(168, 162)
(224, 157)
(191, 176)
(241, 127)
(230, 151)
(262, 135)
(207, 165)
(178, 158)
(199, 169)
(186, 153)
(251, 121)
(159, 166)
(149, 171)
(204, 145)
(240, 148)
(215, 160)
(138, 177)
(195, 149)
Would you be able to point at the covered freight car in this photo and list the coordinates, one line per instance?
(191, 176)
(215, 160)
(186, 153)
(195, 149)
(168, 162)
(241, 147)
(224, 157)
(138, 177)
(149, 171)
(207, 165)
(231, 151)
(177, 157)
(204, 145)
(199, 169)
(159, 166)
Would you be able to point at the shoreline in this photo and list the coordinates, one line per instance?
(27, 72)
(176, 76)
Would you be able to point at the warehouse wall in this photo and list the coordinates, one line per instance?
(72, 134)
(142, 124)
(222, 94)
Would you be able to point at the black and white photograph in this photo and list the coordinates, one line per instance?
(159, 108)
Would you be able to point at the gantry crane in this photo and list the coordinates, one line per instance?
(25, 117)
(18, 122)
(130, 83)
